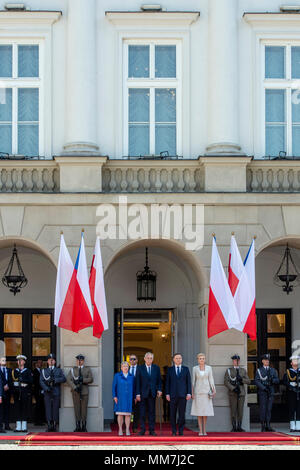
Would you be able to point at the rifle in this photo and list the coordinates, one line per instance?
(52, 380)
(298, 383)
(239, 380)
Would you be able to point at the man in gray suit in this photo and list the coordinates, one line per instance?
(51, 378)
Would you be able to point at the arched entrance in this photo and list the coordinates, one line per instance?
(278, 321)
(171, 322)
(26, 319)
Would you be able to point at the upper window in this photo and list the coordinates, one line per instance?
(20, 98)
(151, 99)
(282, 99)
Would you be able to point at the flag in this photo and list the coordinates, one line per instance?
(235, 266)
(77, 310)
(100, 322)
(245, 296)
(222, 313)
(64, 275)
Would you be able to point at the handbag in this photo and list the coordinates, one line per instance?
(210, 394)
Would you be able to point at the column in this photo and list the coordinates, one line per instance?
(223, 121)
(81, 86)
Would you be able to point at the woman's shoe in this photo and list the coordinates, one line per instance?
(128, 433)
(120, 433)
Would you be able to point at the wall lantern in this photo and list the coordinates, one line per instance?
(14, 277)
(287, 273)
(146, 283)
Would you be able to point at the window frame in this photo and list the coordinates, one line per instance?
(152, 83)
(288, 84)
(16, 82)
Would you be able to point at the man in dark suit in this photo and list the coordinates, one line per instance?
(148, 387)
(178, 391)
(6, 375)
(136, 405)
(38, 394)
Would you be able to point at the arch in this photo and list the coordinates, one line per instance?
(8, 241)
(293, 240)
(169, 245)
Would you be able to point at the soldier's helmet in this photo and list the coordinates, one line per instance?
(235, 356)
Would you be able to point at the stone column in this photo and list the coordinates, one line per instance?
(81, 86)
(223, 132)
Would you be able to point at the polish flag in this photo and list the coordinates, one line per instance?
(64, 275)
(77, 312)
(98, 293)
(235, 266)
(245, 296)
(222, 313)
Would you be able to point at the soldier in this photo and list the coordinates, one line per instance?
(291, 380)
(51, 378)
(78, 379)
(265, 379)
(22, 380)
(235, 379)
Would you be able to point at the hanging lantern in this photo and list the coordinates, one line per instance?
(287, 273)
(14, 277)
(146, 283)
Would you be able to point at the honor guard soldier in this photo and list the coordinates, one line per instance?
(235, 380)
(22, 381)
(78, 379)
(265, 379)
(291, 380)
(50, 379)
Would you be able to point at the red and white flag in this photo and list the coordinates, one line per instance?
(222, 313)
(77, 312)
(235, 266)
(245, 296)
(97, 289)
(64, 275)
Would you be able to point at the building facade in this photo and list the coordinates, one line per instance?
(106, 105)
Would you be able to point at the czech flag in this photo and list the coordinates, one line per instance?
(222, 313)
(235, 266)
(76, 312)
(97, 289)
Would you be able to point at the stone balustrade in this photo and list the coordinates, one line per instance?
(273, 176)
(148, 176)
(29, 176)
(143, 176)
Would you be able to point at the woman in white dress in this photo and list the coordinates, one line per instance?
(203, 392)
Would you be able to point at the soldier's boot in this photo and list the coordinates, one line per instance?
(297, 426)
(54, 426)
(269, 428)
(78, 427)
(24, 426)
(49, 426)
(234, 428)
(292, 426)
(83, 427)
(263, 427)
(239, 427)
(18, 426)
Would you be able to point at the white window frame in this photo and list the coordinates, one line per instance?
(152, 83)
(16, 82)
(288, 84)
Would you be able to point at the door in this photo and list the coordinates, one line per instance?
(119, 338)
(174, 331)
(273, 337)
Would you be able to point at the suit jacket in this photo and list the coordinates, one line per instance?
(58, 377)
(178, 386)
(7, 380)
(146, 384)
(1, 386)
(87, 377)
(265, 377)
(230, 380)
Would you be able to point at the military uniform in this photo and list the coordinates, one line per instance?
(50, 380)
(22, 381)
(291, 380)
(265, 379)
(235, 380)
(79, 378)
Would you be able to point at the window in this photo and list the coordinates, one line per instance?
(152, 98)
(282, 99)
(20, 99)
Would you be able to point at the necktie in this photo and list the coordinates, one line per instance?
(149, 370)
(177, 371)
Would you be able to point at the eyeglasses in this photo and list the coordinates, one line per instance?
(133, 359)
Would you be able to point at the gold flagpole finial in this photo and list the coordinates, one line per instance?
(213, 234)
(232, 233)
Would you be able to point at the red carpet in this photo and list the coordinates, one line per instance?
(190, 437)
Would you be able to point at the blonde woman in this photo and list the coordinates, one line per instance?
(203, 391)
(123, 391)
